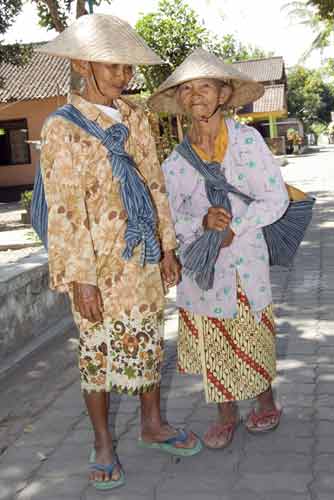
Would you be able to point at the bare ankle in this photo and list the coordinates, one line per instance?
(266, 400)
(103, 441)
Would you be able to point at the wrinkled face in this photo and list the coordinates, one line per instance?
(200, 98)
(112, 79)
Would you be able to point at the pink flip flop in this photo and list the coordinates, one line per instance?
(263, 421)
(224, 433)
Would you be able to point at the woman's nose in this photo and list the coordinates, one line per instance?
(120, 74)
(195, 92)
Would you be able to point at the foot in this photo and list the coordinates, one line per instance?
(104, 455)
(165, 431)
(263, 419)
(220, 434)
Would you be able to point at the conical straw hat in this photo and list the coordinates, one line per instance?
(101, 38)
(202, 64)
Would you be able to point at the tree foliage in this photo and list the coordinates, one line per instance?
(325, 8)
(310, 98)
(174, 31)
(309, 13)
(55, 14)
(14, 54)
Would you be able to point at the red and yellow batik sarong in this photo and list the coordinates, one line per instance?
(237, 357)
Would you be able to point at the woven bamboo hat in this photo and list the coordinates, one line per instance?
(202, 64)
(101, 38)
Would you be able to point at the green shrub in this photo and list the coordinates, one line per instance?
(26, 198)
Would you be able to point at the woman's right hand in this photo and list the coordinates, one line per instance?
(88, 302)
(217, 219)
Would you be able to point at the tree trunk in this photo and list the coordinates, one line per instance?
(81, 10)
(54, 13)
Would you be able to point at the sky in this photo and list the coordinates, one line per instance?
(261, 23)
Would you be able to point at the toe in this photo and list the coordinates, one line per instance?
(116, 474)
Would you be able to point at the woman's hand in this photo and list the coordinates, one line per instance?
(217, 219)
(88, 302)
(170, 269)
(228, 238)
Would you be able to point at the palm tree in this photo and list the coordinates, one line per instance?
(306, 13)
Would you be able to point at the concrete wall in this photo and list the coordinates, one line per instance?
(34, 112)
(28, 308)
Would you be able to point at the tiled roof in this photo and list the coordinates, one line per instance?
(272, 100)
(263, 70)
(44, 76)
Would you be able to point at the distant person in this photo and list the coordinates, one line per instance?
(226, 321)
(111, 234)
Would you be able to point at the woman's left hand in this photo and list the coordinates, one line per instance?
(229, 237)
(170, 269)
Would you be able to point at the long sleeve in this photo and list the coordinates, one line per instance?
(187, 217)
(71, 252)
(266, 183)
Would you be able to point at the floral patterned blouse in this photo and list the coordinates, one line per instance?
(249, 166)
(87, 221)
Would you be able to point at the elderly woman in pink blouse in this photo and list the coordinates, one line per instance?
(226, 322)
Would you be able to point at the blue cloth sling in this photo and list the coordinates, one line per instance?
(136, 199)
(283, 237)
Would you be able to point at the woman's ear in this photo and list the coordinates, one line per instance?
(81, 67)
(225, 94)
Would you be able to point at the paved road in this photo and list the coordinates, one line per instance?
(44, 430)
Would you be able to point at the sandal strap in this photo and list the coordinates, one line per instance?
(227, 428)
(264, 415)
(109, 469)
(181, 437)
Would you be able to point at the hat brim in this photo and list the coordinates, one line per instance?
(243, 92)
(202, 64)
(101, 38)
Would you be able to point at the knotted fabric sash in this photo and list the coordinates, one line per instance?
(199, 258)
(136, 199)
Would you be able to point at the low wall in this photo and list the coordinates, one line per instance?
(28, 308)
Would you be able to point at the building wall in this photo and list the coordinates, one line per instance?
(35, 112)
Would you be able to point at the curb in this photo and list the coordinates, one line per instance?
(34, 345)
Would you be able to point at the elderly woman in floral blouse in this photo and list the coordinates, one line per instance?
(226, 323)
(107, 235)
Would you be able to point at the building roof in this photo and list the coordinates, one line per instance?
(272, 100)
(44, 76)
(270, 69)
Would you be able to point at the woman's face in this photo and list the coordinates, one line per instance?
(200, 98)
(112, 79)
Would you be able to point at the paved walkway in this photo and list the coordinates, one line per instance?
(49, 460)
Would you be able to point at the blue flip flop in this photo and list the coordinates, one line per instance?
(106, 485)
(168, 446)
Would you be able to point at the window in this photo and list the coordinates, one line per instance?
(13, 148)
